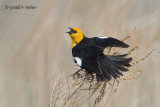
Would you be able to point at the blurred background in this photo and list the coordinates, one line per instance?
(34, 48)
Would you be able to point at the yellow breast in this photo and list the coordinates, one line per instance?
(73, 44)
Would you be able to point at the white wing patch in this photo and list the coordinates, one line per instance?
(78, 60)
(102, 37)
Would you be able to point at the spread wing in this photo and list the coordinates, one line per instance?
(109, 42)
(89, 56)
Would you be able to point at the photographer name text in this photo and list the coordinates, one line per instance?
(20, 7)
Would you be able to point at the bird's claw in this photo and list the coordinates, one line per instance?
(76, 74)
(89, 76)
(92, 77)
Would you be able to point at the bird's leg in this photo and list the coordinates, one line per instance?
(92, 77)
(77, 73)
(89, 76)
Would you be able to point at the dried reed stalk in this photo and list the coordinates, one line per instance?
(84, 91)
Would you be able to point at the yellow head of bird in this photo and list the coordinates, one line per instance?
(76, 35)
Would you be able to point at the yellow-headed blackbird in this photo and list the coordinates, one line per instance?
(88, 54)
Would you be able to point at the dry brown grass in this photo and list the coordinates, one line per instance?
(84, 91)
(34, 50)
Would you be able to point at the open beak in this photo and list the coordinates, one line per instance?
(70, 32)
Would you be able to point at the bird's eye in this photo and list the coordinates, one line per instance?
(74, 31)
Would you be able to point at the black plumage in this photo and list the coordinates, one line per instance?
(93, 60)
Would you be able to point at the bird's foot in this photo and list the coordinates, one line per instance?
(89, 76)
(77, 74)
(92, 77)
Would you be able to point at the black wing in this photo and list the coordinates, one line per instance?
(89, 56)
(110, 42)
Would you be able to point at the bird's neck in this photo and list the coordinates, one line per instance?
(73, 44)
(77, 40)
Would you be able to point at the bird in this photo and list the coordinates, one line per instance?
(88, 54)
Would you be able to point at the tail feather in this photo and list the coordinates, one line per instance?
(112, 69)
(106, 65)
(121, 55)
(117, 71)
(106, 74)
(120, 60)
(122, 68)
(112, 66)
(128, 65)
(100, 77)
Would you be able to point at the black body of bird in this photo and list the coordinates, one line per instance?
(88, 54)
